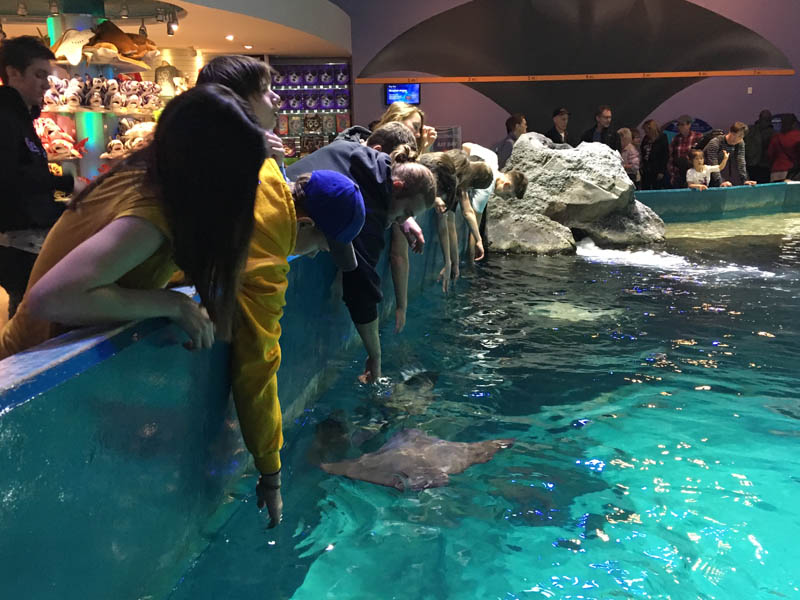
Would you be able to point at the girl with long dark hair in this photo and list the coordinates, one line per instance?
(184, 201)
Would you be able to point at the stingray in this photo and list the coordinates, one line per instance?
(413, 460)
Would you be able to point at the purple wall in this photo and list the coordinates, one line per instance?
(723, 100)
(719, 101)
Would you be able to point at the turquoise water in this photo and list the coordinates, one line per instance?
(653, 400)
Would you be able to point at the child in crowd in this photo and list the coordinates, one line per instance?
(699, 176)
(630, 155)
(109, 255)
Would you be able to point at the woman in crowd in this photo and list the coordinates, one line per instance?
(784, 149)
(469, 174)
(413, 118)
(110, 254)
(654, 151)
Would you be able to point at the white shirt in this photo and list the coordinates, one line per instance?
(480, 198)
(703, 176)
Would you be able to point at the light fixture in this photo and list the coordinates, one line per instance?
(173, 22)
(22, 9)
(229, 37)
(142, 29)
(170, 31)
(160, 15)
(248, 47)
(124, 13)
(54, 7)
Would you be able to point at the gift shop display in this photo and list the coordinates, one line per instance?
(97, 108)
(315, 101)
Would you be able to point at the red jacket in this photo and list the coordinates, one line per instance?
(784, 150)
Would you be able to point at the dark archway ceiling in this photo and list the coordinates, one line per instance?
(527, 37)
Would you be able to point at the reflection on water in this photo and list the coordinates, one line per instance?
(765, 241)
(652, 397)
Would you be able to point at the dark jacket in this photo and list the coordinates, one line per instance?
(371, 170)
(356, 133)
(655, 156)
(503, 150)
(26, 185)
(607, 137)
(553, 134)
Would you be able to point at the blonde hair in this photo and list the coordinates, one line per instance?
(400, 111)
(623, 133)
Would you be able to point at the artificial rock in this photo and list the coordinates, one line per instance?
(584, 189)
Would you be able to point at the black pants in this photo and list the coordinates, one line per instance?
(15, 268)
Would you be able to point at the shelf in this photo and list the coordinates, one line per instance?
(316, 86)
(120, 113)
(321, 111)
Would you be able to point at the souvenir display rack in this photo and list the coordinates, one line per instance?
(316, 96)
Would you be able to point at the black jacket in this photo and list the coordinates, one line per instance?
(607, 137)
(371, 170)
(26, 185)
(553, 134)
(655, 155)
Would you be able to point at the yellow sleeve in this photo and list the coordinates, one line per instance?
(256, 357)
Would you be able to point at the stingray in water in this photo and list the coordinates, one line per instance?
(413, 460)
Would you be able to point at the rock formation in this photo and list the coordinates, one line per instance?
(571, 191)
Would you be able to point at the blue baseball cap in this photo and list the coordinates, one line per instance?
(336, 205)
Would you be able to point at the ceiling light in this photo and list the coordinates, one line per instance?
(229, 37)
(123, 11)
(54, 7)
(22, 9)
(160, 15)
(170, 31)
(173, 22)
(248, 47)
(143, 29)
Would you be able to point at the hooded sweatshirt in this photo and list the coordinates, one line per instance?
(256, 353)
(372, 171)
(26, 184)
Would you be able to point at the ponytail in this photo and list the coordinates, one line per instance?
(404, 153)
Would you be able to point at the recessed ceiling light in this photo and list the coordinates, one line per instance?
(229, 37)
(248, 47)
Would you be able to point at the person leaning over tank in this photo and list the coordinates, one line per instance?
(395, 187)
(323, 210)
(27, 207)
(511, 183)
(109, 256)
(469, 174)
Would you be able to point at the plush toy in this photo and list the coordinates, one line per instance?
(132, 102)
(115, 101)
(151, 102)
(52, 100)
(61, 149)
(73, 98)
(114, 149)
(95, 100)
(70, 45)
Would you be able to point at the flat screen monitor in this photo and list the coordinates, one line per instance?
(402, 92)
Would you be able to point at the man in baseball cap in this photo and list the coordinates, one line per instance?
(333, 204)
(558, 133)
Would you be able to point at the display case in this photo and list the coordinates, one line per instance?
(315, 101)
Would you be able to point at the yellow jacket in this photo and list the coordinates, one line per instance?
(256, 353)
